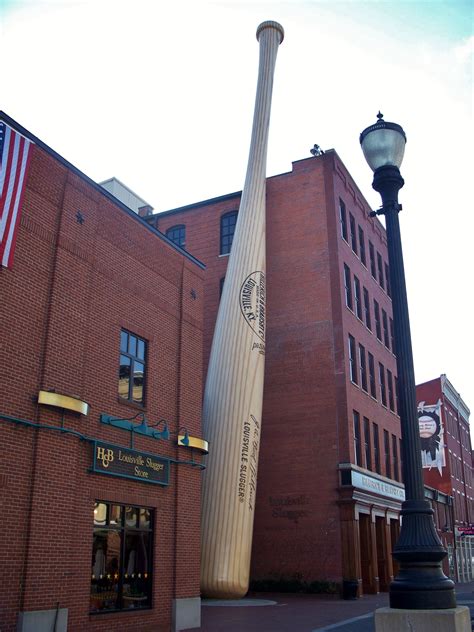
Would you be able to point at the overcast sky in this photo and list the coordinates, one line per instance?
(161, 95)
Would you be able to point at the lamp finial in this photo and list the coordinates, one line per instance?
(380, 115)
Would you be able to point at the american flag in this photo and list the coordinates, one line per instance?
(14, 158)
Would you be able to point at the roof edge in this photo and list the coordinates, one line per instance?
(22, 130)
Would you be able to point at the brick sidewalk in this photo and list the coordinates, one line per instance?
(291, 613)
(295, 612)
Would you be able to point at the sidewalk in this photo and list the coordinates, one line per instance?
(278, 612)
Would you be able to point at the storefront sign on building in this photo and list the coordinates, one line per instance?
(125, 463)
(372, 484)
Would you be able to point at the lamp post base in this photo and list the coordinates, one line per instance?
(452, 620)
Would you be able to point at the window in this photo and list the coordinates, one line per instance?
(383, 391)
(221, 286)
(396, 475)
(391, 400)
(362, 246)
(132, 367)
(177, 234)
(378, 329)
(368, 456)
(343, 219)
(372, 260)
(228, 222)
(358, 298)
(347, 286)
(121, 557)
(386, 339)
(373, 390)
(368, 321)
(397, 409)
(388, 464)
(357, 447)
(387, 280)
(401, 458)
(375, 429)
(380, 269)
(353, 233)
(392, 336)
(352, 360)
(363, 367)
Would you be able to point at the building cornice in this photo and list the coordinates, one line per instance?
(454, 398)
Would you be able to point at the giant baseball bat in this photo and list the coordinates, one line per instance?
(234, 387)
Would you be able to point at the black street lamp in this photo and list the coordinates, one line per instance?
(420, 583)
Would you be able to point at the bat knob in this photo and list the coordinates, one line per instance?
(270, 24)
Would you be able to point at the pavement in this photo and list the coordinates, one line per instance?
(278, 612)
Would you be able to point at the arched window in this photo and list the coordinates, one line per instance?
(228, 222)
(177, 234)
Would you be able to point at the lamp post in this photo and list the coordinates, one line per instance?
(420, 583)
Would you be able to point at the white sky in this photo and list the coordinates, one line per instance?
(161, 95)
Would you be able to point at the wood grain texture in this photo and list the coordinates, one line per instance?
(234, 387)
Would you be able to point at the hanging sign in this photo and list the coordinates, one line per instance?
(431, 436)
(126, 463)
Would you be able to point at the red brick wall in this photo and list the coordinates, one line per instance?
(308, 400)
(71, 290)
(456, 479)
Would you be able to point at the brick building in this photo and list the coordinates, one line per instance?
(101, 323)
(448, 468)
(329, 482)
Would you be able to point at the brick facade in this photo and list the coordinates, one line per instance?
(456, 478)
(305, 511)
(76, 282)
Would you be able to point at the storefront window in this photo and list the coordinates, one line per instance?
(121, 558)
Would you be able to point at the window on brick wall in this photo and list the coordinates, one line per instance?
(347, 286)
(380, 269)
(367, 454)
(378, 328)
(352, 226)
(388, 463)
(357, 298)
(386, 337)
(400, 444)
(387, 280)
(392, 336)
(132, 367)
(375, 429)
(396, 474)
(363, 367)
(352, 360)
(228, 222)
(357, 446)
(373, 270)
(362, 246)
(397, 409)
(373, 390)
(121, 572)
(343, 219)
(368, 320)
(177, 234)
(391, 399)
(383, 390)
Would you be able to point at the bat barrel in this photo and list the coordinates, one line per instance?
(233, 394)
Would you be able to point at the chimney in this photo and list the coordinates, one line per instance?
(146, 210)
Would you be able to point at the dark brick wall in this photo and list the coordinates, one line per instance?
(72, 288)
